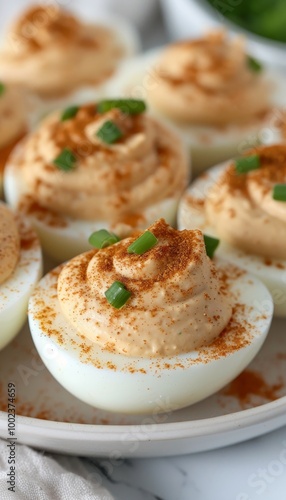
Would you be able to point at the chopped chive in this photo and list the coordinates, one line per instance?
(246, 164)
(128, 106)
(102, 239)
(69, 113)
(279, 192)
(66, 160)
(145, 242)
(109, 132)
(211, 245)
(254, 65)
(117, 295)
(2, 88)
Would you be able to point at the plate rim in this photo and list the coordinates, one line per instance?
(163, 431)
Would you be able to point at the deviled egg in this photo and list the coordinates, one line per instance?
(243, 202)
(20, 269)
(51, 52)
(13, 121)
(148, 324)
(108, 165)
(213, 93)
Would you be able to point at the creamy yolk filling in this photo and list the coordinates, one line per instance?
(178, 302)
(52, 52)
(107, 181)
(208, 81)
(9, 243)
(242, 209)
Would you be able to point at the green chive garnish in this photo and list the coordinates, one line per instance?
(246, 164)
(109, 132)
(117, 295)
(254, 65)
(128, 106)
(66, 160)
(69, 113)
(211, 245)
(102, 239)
(145, 242)
(2, 88)
(279, 192)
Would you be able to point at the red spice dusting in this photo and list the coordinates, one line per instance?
(272, 170)
(28, 237)
(132, 220)
(104, 421)
(279, 265)
(281, 356)
(182, 246)
(111, 366)
(30, 206)
(235, 336)
(28, 409)
(196, 203)
(55, 22)
(84, 348)
(269, 262)
(26, 244)
(250, 383)
(71, 133)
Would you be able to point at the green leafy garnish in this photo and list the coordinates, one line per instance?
(69, 113)
(66, 160)
(128, 106)
(246, 164)
(2, 88)
(254, 65)
(279, 192)
(109, 132)
(102, 239)
(211, 245)
(144, 243)
(117, 295)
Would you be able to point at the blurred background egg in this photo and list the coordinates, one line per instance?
(191, 214)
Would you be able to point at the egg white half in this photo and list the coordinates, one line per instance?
(16, 290)
(192, 216)
(208, 145)
(62, 242)
(136, 385)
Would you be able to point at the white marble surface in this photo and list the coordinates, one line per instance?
(252, 470)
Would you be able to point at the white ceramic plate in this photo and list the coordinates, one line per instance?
(50, 418)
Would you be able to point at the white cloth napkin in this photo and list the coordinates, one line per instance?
(40, 476)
